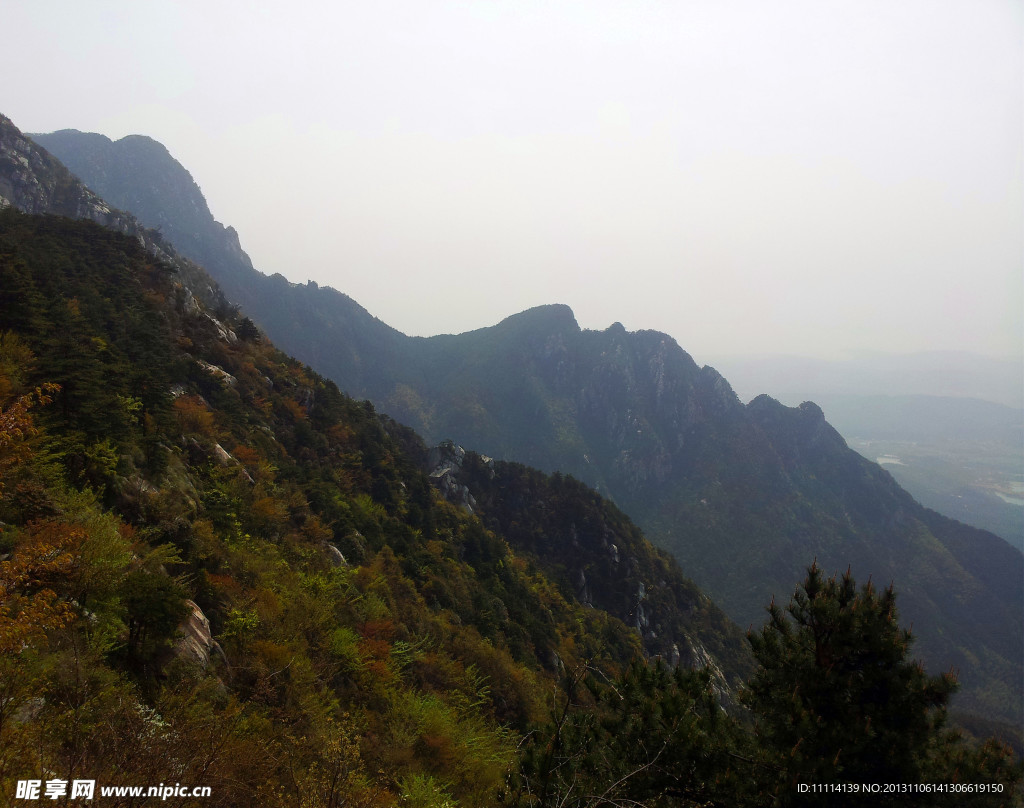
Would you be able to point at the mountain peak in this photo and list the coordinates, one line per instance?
(94, 138)
(138, 145)
(553, 317)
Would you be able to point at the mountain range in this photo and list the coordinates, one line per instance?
(745, 496)
(217, 567)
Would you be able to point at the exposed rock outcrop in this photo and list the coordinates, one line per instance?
(335, 555)
(197, 643)
(218, 372)
(444, 462)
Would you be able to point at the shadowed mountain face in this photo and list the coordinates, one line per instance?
(317, 326)
(745, 496)
(157, 190)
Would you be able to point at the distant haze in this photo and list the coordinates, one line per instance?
(794, 379)
(787, 177)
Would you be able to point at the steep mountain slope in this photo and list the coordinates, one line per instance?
(141, 173)
(592, 551)
(33, 181)
(709, 627)
(192, 480)
(744, 496)
(318, 326)
(190, 468)
(959, 456)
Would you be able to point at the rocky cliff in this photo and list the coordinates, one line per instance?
(33, 181)
(137, 174)
(317, 325)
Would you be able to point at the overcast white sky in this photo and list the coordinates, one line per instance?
(808, 177)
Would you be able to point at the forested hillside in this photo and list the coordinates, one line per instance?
(164, 466)
(597, 556)
(217, 570)
(743, 496)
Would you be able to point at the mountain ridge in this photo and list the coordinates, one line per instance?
(743, 495)
(250, 581)
(195, 275)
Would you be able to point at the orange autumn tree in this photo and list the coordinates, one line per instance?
(41, 553)
(44, 552)
(29, 607)
(17, 426)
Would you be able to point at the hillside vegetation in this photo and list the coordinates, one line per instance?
(743, 496)
(164, 466)
(218, 570)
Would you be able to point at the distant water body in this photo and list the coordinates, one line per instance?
(1018, 494)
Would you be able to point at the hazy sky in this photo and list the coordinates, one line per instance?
(807, 177)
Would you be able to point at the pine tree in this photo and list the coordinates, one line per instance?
(838, 699)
